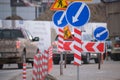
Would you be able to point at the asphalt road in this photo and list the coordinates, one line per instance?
(11, 72)
(110, 70)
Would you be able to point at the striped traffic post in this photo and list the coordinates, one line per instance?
(24, 71)
(60, 47)
(77, 46)
(60, 39)
(77, 49)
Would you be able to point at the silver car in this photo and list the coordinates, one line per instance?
(87, 56)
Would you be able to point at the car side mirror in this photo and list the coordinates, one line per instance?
(36, 39)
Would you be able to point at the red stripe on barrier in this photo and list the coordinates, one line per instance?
(61, 42)
(60, 30)
(78, 40)
(77, 56)
(77, 31)
(61, 36)
(77, 48)
(76, 63)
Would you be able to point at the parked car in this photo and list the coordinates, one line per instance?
(115, 52)
(108, 48)
(87, 56)
(17, 46)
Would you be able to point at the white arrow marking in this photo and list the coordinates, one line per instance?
(72, 46)
(75, 18)
(95, 47)
(101, 33)
(83, 46)
(63, 15)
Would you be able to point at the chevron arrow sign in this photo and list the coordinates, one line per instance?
(98, 47)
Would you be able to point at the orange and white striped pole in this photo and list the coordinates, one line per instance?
(24, 71)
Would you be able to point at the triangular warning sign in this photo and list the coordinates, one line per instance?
(59, 5)
(67, 33)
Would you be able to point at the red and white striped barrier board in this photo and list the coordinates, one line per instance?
(77, 46)
(98, 47)
(24, 71)
(45, 64)
(60, 39)
(40, 67)
(35, 68)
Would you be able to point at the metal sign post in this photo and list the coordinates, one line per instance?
(77, 72)
(99, 59)
(65, 59)
(61, 63)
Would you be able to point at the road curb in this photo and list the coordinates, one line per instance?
(50, 77)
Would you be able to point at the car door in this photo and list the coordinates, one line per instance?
(31, 46)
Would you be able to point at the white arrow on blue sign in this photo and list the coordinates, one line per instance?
(78, 14)
(59, 19)
(101, 33)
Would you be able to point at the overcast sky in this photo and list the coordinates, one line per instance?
(96, 1)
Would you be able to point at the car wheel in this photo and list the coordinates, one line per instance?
(87, 59)
(96, 60)
(69, 61)
(20, 65)
(1, 66)
(115, 57)
(56, 62)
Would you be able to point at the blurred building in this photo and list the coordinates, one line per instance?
(25, 10)
(22, 8)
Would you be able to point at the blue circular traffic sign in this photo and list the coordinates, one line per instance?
(59, 19)
(78, 14)
(101, 33)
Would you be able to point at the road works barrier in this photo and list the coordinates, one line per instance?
(40, 66)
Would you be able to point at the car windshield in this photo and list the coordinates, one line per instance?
(7, 33)
(108, 43)
(87, 37)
